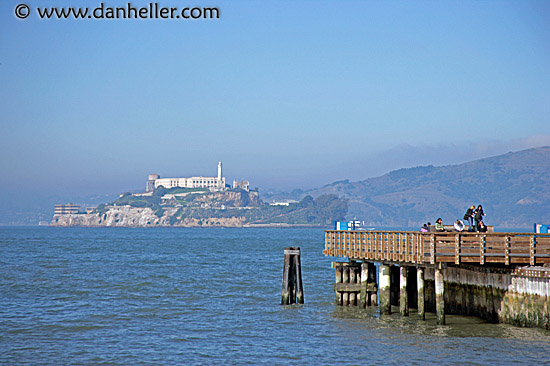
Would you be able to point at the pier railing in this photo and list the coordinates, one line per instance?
(439, 247)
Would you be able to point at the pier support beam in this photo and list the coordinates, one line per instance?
(368, 279)
(373, 295)
(439, 296)
(384, 288)
(364, 281)
(345, 279)
(339, 270)
(403, 295)
(420, 286)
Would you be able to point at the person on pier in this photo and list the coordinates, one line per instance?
(481, 227)
(478, 215)
(459, 225)
(469, 215)
(439, 225)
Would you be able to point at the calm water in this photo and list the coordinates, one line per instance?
(210, 296)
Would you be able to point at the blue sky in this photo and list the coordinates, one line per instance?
(288, 94)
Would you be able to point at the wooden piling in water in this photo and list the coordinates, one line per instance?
(293, 291)
(403, 295)
(421, 298)
(345, 279)
(439, 297)
(373, 293)
(384, 288)
(339, 275)
(363, 301)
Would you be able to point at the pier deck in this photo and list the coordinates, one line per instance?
(413, 247)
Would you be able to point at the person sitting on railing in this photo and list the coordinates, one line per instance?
(439, 225)
(459, 225)
(481, 227)
(424, 228)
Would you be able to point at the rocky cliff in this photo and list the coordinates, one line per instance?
(127, 216)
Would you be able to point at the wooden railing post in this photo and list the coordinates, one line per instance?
(507, 250)
(533, 242)
(482, 241)
(457, 249)
(432, 249)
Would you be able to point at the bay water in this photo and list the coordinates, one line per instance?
(178, 296)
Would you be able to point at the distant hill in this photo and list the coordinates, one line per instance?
(513, 188)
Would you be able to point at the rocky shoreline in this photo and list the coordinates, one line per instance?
(127, 216)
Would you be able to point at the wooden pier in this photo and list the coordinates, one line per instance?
(504, 267)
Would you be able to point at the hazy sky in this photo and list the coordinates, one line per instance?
(287, 94)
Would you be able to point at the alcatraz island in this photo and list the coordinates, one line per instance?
(202, 202)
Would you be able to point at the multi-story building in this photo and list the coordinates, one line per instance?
(241, 185)
(69, 208)
(212, 183)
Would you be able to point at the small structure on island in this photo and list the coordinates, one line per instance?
(69, 208)
(244, 185)
(212, 183)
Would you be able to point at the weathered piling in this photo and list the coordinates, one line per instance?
(293, 291)
(403, 295)
(363, 301)
(355, 283)
(339, 276)
(367, 296)
(439, 296)
(384, 288)
(420, 287)
(372, 289)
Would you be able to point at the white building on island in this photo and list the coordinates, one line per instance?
(212, 183)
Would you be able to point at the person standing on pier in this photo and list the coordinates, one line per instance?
(478, 215)
(469, 215)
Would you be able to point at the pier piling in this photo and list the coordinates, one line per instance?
(384, 286)
(439, 296)
(420, 286)
(293, 291)
(403, 295)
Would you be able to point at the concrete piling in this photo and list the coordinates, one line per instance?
(384, 289)
(439, 296)
(403, 295)
(420, 287)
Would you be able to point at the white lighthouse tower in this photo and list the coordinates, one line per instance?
(220, 180)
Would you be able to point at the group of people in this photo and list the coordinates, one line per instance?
(473, 215)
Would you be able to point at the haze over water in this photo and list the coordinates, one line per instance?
(210, 296)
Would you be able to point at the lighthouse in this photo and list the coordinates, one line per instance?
(220, 182)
